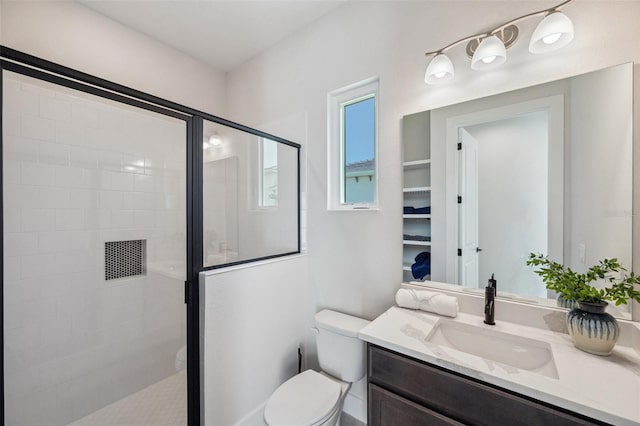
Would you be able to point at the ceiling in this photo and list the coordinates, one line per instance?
(223, 34)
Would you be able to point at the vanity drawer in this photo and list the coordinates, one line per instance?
(460, 398)
(389, 409)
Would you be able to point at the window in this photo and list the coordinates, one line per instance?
(353, 147)
(268, 177)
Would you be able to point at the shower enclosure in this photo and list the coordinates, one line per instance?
(105, 227)
(94, 253)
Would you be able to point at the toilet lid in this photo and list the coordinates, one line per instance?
(304, 399)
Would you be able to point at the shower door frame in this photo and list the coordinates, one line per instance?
(31, 66)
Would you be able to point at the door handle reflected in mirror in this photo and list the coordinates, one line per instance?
(478, 249)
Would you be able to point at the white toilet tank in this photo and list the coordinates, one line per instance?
(340, 352)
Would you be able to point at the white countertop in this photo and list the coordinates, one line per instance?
(603, 388)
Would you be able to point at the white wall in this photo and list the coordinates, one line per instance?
(599, 195)
(355, 257)
(75, 36)
(250, 342)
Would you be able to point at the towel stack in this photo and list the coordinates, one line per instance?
(428, 301)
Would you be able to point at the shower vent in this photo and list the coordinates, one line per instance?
(124, 259)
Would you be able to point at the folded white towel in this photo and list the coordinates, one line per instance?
(429, 301)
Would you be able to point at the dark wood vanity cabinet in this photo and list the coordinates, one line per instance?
(406, 392)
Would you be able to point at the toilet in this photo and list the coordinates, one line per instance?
(316, 398)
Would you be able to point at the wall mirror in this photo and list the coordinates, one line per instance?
(544, 169)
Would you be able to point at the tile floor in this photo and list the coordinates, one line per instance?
(161, 404)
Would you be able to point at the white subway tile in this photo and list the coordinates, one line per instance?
(55, 372)
(56, 284)
(98, 219)
(26, 337)
(70, 219)
(110, 160)
(83, 241)
(150, 201)
(84, 113)
(37, 89)
(153, 166)
(134, 163)
(11, 123)
(11, 171)
(38, 265)
(37, 174)
(12, 268)
(85, 158)
(134, 201)
(18, 244)
(38, 128)
(54, 242)
(122, 219)
(21, 291)
(55, 109)
(53, 153)
(58, 198)
(37, 220)
(144, 183)
(84, 199)
(20, 381)
(167, 220)
(23, 103)
(14, 196)
(98, 179)
(69, 177)
(20, 149)
(144, 219)
(12, 218)
(122, 182)
(71, 134)
(110, 199)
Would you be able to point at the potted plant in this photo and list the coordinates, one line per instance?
(592, 329)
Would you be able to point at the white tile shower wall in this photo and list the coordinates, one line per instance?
(77, 173)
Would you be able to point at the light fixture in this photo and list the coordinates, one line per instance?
(490, 53)
(440, 70)
(553, 32)
(488, 50)
(213, 140)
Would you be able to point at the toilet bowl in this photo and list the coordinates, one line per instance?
(309, 399)
(314, 398)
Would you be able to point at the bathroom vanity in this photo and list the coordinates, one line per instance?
(427, 369)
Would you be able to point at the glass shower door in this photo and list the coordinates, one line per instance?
(94, 222)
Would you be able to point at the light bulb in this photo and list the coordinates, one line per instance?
(489, 59)
(550, 39)
(553, 32)
(215, 140)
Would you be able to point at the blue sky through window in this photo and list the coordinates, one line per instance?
(359, 131)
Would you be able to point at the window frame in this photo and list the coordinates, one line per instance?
(336, 177)
(261, 205)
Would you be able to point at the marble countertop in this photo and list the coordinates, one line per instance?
(603, 388)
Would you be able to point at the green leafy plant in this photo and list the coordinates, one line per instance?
(575, 286)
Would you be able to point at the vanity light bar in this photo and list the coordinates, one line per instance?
(489, 49)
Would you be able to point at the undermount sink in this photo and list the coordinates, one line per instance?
(516, 351)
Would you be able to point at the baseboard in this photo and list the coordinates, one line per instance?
(254, 418)
(355, 407)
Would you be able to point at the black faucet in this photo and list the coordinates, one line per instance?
(490, 300)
